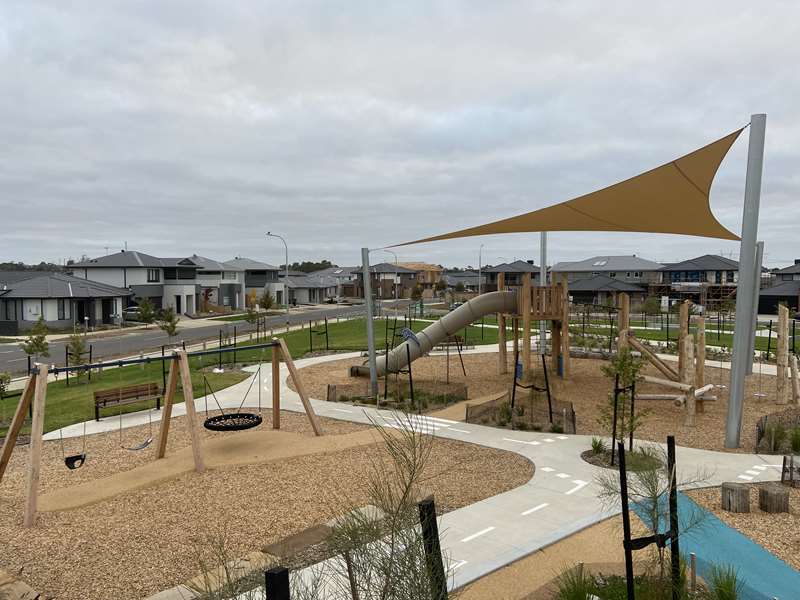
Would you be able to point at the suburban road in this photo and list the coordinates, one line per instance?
(13, 360)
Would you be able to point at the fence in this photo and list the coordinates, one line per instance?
(531, 411)
(426, 393)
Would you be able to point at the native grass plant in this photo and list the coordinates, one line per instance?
(598, 445)
(648, 487)
(627, 367)
(723, 583)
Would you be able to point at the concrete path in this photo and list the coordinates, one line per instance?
(558, 501)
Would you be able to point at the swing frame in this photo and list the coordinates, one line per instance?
(35, 393)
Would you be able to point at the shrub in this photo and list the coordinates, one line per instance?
(598, 446)
(723, 583)
(574, 584)
(503, 413)
(776, 436)
(795, 440)
(556, 428)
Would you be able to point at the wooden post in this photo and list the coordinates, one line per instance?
(191, 414)
(555, 344)
(501, 329)
(782, 357)
(166, 410)
(795, 383)
(700, 355)
(691, 399)
(526, 324)
(566, 365)
(683, 330)
(16, 423)
(276, 387)
(773, 498)
(300, 387)
(35, 452)
(515, 328)
(624, 304)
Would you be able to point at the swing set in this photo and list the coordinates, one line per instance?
(35, 393)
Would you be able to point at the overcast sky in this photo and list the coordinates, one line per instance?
(188, 127)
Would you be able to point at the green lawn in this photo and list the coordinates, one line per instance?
(243, 316)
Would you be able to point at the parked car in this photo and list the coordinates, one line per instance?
(131, 313)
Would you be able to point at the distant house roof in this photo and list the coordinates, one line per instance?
(795, 268)
(784, 288)
(310, 282)
(420, 266)
(123, 258)
(178, 262)
(390, 268)
(209, 264)
(707, 262)
(337, 271)
(453, 278)
(518, 266)
(603, 283)
(54, 285)
(240, 263)
(607, 263)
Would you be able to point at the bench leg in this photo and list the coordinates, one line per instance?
(158, 402)
(96, 413)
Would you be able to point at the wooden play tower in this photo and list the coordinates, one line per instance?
(536, 303)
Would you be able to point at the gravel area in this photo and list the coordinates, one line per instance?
(588, 390)
(152, 539)
(778, 533)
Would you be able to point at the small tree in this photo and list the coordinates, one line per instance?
(440, 286)
(651, 306)
(147, 312)
(460, 286)
(77, 349)
(416, 293)
(251, 315)
(627, 367)
(168, 322)
(36, 343)
(267, 300)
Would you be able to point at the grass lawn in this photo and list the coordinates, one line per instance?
(8, 340)
(243, 316)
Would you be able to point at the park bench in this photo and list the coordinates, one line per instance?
(126, 395)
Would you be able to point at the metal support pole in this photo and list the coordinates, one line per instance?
(373, 366)
(276, 582)
(756, 294)
(674, 549)
(614, 421)
(747, 257)
(433, 550)
(626, 522)
(542, 282)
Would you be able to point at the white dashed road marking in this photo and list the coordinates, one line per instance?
(344, 410)
(563, 437)
(534, 509)
(459, 430)
(562, 476)
(547, 469)
(457, 565)
(578, 485)
(754, 473)
(549, 440)
(760, 468)
(746, 477)
(469, 538)
(520, 441)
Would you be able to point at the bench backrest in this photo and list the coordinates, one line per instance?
(125, 393)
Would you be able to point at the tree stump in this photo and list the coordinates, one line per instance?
(735, 497)
(773, 498)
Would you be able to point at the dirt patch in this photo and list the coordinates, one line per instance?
(778, 533)
(588, 390)
(139, 543)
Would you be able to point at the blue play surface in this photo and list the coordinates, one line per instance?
(763, 575)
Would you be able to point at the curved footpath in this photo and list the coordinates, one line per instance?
(558, 501)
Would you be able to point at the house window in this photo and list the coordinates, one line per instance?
(153, 275)
(612, 274)
(637, 274)
(61, 312)
(729, 276)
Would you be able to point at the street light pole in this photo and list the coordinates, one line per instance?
(286, 276)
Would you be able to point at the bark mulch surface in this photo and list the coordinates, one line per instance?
(778, 533)
(152, 539)
(588, 389)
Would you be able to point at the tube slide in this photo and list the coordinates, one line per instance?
(449, 324)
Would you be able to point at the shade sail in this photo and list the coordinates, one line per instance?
(672, 198)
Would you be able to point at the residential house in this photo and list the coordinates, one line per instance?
(346, 279)
(60, 299)
(785, 290)
(388, 280)
(636, 273)
(428, 275)
(167, 282)
(468, 280)
(708, 280)
(603, 289)
(258, 276)
(513, 273)
(305, 288)
(220, 285)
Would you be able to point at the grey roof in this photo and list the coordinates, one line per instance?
(603, 283)
(337, 271)
(795, 268)
(177, 262)
(606, 264)
(123, 258)
(707, 262)
(241, 263)
(311, 281)
(518, 266)
(57, 285)
(465, 277)
(209, 264)
(390, 268)
(784, 288)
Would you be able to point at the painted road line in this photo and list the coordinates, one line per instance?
(549, 440)
(469, 538)
(578, 485)
(534, 509)
(458, 430)
(562, 437)
(344, 410)
(456, 566)
(547, 469)
(760, 467)
(520, 441)
(562, 476)
(754, 473)
(745, 477)
(440, 420)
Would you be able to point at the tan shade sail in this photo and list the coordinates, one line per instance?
(672, 198)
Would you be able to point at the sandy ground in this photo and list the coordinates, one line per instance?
(778, 533)
(588, 390)
(142, 542)
(599, 547)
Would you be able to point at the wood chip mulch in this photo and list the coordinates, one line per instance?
(149, 540)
